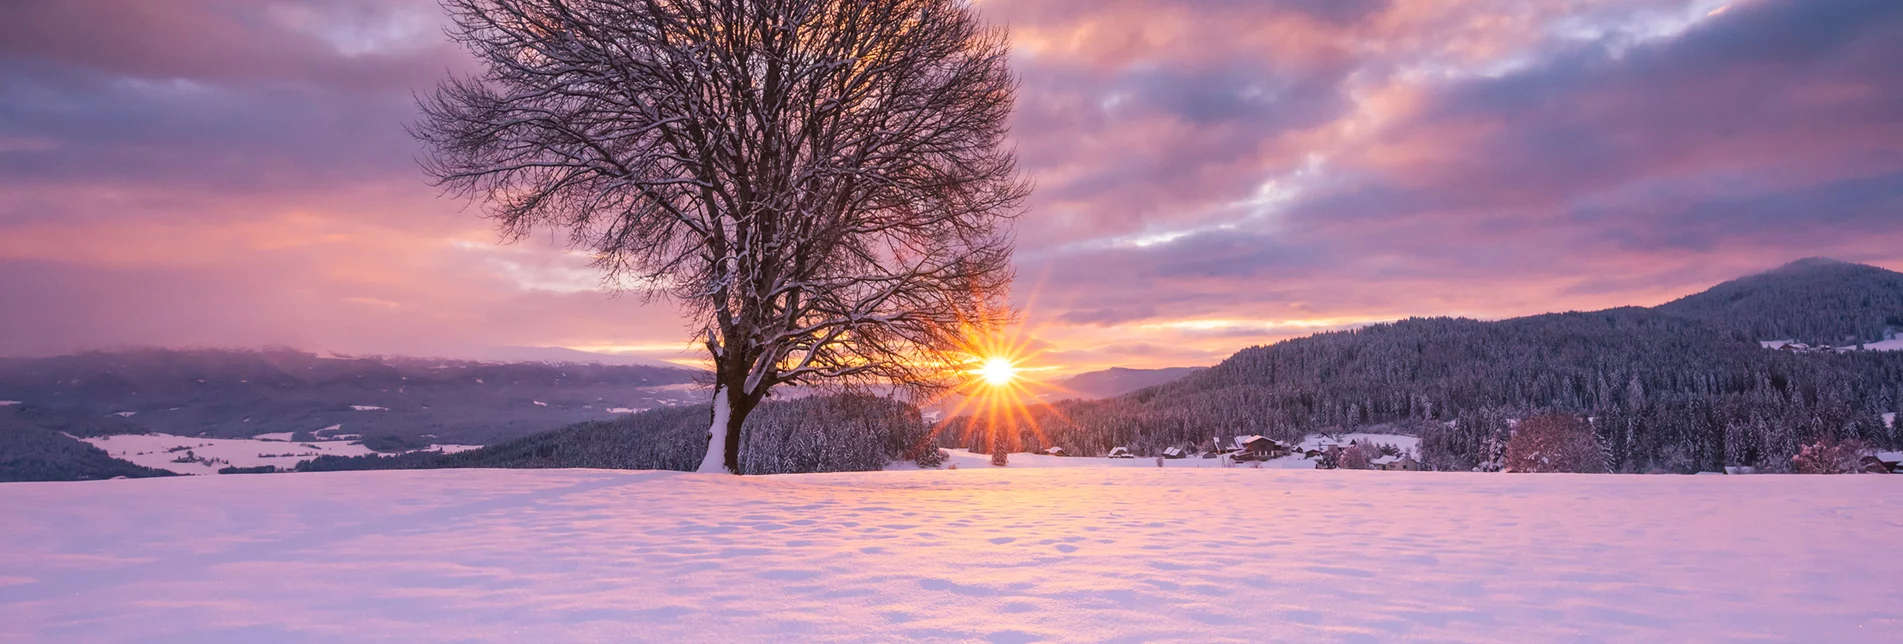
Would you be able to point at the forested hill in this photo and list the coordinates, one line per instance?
(1670, 391)
(1812, 300)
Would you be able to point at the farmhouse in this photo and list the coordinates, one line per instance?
(1401, 463)
(1258, 448)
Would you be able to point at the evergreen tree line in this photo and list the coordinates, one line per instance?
(1664, 392)
(841, 433)
(29, 453)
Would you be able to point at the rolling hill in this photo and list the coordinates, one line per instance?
(1815, 300)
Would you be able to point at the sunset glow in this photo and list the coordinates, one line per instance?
(1206, 181)
(998, 371)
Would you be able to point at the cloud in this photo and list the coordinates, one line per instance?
(1210, 174)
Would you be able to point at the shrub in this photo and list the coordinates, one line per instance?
(1554, 443)
(1355, 457)
(1329, 459)
(1829, 457)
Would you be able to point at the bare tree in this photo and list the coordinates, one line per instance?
(822, 185)
(1554, 443)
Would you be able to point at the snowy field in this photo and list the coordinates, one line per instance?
(978, 554)
(163, 450)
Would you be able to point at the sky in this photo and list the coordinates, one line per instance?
(1210, 175)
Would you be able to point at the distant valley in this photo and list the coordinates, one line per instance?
(240, 394)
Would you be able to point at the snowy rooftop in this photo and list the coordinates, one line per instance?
(997, 554)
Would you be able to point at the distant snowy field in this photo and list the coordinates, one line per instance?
(155, 450)
(978, 554)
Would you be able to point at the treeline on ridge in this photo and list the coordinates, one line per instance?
(839, 433)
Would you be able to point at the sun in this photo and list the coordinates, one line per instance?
(998, 372)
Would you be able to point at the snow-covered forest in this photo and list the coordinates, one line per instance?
(1664, 393)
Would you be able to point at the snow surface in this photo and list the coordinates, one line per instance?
(369, 408)
(625, 410)
(1889, 419)
(1892, 344)
(993, 554)
(151, 450)
(7, 403)
(123, 414)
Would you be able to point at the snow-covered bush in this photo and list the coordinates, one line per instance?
(1829, 457)
(1554, 443)
(931, 457)
(1356, 457)
(1329, 459)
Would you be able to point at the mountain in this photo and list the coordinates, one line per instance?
(1677, 388)
(1815, 300)
(220, 393)
(564, 355)
(1117, 381)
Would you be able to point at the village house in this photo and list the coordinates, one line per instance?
(1258, 448)
(1403, 463)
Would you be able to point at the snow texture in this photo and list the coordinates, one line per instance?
(979, 554)
(8, 403)
(153, 450)
(369, 408)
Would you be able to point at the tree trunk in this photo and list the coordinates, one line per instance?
(723, 433)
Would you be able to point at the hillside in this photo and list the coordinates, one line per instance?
(1117, 381)
(1671, 391)
(30, 453)
(234, 394)
(1816, 300)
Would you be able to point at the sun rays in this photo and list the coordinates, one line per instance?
(1004, 388)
